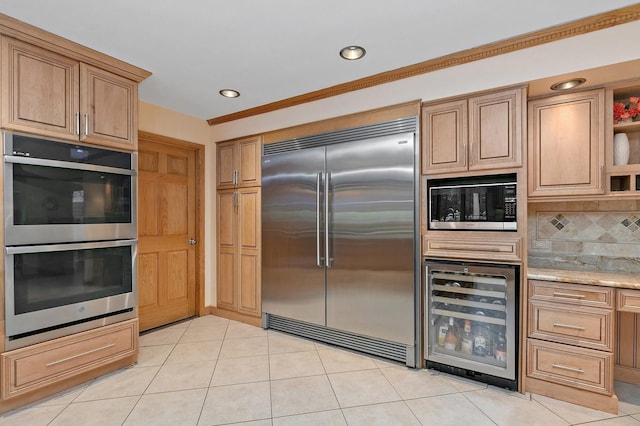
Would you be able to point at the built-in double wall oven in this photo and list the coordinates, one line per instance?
(70, 238)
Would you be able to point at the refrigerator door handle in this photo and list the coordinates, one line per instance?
(318, 245)
(327, 255)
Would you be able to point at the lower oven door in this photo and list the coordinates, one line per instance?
(53, 286)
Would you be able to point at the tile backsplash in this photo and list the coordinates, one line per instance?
(588, 236)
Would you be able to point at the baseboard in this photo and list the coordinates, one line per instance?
(608, 403)
(234, 316)
(626, 374)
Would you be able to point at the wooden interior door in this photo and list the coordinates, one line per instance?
(167, 207)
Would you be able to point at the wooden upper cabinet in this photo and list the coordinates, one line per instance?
(238, 163)
(109, 106)
(496, 123)
(40, 90)
(444, 127)
(477, 133)
(52, 95)
(566, 145)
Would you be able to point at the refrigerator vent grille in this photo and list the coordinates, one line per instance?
(381, 348)
(387, 128)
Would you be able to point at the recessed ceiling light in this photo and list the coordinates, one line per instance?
(229, 93)
(351, 53)
(568, 84)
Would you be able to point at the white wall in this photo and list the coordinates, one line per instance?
(165, 122)
(604, 47)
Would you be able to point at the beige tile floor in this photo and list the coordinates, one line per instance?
(211, 371)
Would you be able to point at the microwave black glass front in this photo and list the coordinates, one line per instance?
(484, 203)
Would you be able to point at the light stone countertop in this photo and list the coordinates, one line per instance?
(606, 279)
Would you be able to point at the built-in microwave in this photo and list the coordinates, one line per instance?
(485, 203)
(58, 192)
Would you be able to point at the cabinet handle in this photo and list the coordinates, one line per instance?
(86, 124)
(572, 327)
(60, 361)
(564, 367)
(78, 123)
(569, 295)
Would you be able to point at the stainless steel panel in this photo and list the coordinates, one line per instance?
(370, 281)
(292, 282)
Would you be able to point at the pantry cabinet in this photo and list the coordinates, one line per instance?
(238, 163)
(239, 264)
(566, 145)
(478, 133)
(52, 95)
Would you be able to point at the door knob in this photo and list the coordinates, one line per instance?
(192, 241)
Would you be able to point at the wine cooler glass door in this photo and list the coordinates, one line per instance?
(471, 317)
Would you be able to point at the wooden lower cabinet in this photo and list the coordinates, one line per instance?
(48, 367)
(577, 367)
(627, 348)
(239, 261)
(570, 344)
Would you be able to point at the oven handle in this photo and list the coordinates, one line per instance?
(64, 247)
(67, 165)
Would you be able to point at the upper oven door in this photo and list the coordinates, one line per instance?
(52, 200)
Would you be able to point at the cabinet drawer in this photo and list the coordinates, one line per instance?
(577, 294)
(34, 367)
(574, 325)
(467, 248)
(628, 300)
(579, 368)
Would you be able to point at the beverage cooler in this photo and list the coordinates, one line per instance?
(472, 320)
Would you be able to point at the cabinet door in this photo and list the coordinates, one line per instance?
(39, 91)
(225, 164)
(227, 249)
(249, 164)
(108, 108)
(444, 130)
(495, 133)
(566, 145)
(249, 249)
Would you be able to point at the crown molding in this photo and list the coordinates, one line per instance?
(525, 41)
(28, 33)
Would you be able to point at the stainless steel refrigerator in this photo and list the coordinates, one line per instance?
(338, 241)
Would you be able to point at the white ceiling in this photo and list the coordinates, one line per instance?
(273, 50)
